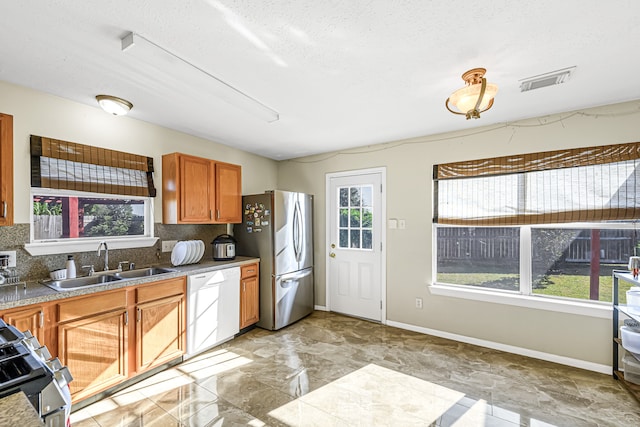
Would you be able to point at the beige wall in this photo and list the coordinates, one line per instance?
(409, 169)
(47, 115)
(409, 251)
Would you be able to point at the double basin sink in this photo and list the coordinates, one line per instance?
(102, 278)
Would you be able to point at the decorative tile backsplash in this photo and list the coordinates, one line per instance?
(13, 238)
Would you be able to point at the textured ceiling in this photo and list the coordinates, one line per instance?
(340, 73)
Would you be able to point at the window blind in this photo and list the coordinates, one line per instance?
(592, 184)
(70, 166)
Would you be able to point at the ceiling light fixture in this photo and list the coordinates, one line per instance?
(476, 97)
(114, 105)
(146, 50)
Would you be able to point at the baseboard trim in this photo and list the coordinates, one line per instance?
(320, 308)
(568, 361)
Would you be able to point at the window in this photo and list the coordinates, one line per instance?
(356, 214)
(68, 215)
(546, 224)
(82, 194)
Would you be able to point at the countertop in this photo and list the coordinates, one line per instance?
(34, 292)
(16, 410)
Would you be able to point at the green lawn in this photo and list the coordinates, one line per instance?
(569, 286)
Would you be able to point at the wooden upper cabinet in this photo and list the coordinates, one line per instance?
(200, 191)
(6, 169)
(228, 199)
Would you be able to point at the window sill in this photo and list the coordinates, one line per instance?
(599, 310)
(63, 247)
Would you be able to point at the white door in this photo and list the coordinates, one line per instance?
(355, 236)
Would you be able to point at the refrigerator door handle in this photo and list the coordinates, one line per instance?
(295, 276)
(297, 231)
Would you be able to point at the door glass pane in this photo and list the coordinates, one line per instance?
(367, 196)
(355, 196)
(367, 218)
(344, 238)
(344, 197)
(344, 217)
(355, 218)
(355, 238)
(367, 240)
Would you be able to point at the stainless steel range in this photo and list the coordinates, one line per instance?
(26, 366)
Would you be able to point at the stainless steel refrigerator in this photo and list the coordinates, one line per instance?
(277, 227)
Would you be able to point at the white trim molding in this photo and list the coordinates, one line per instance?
(592, 309)
(69, 246)
(568, 361)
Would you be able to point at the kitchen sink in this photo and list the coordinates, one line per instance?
(101, 279)
(143, 272)
(81, 282)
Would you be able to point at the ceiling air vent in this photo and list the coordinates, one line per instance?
(547, 79)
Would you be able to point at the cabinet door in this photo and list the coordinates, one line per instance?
(249, 302)
(95, 350)
(29, 318)
(159, 331)
(196, 190)
(228, 195)
(6, 169)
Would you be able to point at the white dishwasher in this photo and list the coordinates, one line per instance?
(213, 309)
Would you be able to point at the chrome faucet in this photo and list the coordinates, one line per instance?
(106, 254)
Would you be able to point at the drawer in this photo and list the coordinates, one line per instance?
(249, 270)
(90, 306)
(161, 289)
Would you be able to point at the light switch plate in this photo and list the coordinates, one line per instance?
(392, 224)
(402, 224)
(168, 245)
(12, 257)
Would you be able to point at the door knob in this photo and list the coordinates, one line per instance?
(333, 245)
(332, 255)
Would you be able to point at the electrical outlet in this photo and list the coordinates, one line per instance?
(168, 245)
(418, 302)
(12, 257)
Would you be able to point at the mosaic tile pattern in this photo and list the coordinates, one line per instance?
(332, 370)
(13, 238)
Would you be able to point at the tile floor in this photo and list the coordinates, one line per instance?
(332, 370)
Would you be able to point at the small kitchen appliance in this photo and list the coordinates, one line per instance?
(224, 247)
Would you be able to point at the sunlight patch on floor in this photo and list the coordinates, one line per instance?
(373, 395)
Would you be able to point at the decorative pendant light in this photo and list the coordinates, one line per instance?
(114, 105)
(476, 97)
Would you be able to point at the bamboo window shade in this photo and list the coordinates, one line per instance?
(70, 166)
(593, 184)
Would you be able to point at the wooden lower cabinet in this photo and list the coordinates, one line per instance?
(249, 295)
(160, 323)
(111, 336)
(93, 341)
(28, 318)
(95, 351)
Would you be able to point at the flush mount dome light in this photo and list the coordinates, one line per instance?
(476, 97)
(114, 105)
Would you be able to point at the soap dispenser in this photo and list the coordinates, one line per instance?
(71, 267)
